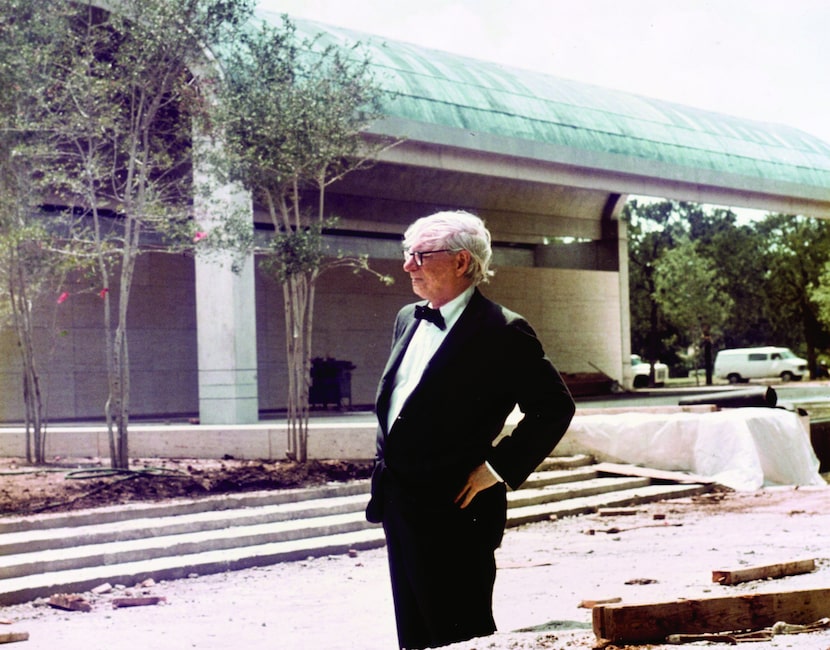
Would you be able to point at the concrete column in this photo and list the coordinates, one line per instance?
(625, 308)
(615, 237)
(226, 320)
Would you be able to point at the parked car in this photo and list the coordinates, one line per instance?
(742, 364)
(642, 370)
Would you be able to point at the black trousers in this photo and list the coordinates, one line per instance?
(442, 566)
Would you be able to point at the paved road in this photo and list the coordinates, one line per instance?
(787, 393)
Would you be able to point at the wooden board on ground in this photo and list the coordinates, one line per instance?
(763, 572)
(653, 622)
(137, 601)
(13, 637)
(648, 472)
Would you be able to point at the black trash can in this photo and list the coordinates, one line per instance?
(331, 383)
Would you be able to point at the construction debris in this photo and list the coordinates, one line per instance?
(766, 634)
(652, 473)
(70, 602)
(655, 622)
(137, 601)
(13, 637)
(614, 529)
(590, 604)
(618, 512)
(763, 572)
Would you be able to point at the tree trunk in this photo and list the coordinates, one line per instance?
(298, 294)
(32, 398)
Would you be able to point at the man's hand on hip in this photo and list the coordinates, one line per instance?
(479, 479)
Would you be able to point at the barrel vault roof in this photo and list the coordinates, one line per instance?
(548, 117)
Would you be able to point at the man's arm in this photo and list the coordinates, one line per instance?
(543, 398)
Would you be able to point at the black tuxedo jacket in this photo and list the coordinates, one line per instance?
(488, 363)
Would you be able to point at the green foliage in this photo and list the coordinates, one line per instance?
(294, 252)
(691, 291)
(795, 252)
(754, 283)
(291, 115)
(653, 228)
(820, 295)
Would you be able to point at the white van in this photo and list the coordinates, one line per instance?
(743, 364)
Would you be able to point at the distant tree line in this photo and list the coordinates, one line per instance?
(701, 276)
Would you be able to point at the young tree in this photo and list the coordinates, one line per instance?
(291, 115)
(118, 113)
(28, 269)
(692, 294)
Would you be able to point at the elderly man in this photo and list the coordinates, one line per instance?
(459, 365)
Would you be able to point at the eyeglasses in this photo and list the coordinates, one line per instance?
(418, 256)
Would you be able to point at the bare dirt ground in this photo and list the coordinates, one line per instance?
(661, 552)
(78, 483)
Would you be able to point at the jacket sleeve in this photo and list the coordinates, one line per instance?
(544, 400)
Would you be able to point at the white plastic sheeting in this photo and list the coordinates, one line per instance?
(742, 448)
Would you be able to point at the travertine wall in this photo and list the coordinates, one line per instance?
(575, 313)
(72, 363)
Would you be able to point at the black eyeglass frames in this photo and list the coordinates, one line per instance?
(418, 256)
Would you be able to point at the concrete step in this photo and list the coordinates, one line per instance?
(174, 540)
(177, 507)
(549, 476)
(155, 546)
(165, 525)
(76, 532)
(174, 567)
(562, 491)
(587, 504)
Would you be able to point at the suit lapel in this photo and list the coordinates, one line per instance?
(388, 377)
(468, 324)
(464, 329)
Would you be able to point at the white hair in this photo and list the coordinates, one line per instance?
(459, 230)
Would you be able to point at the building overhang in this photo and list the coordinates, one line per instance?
(486, 154)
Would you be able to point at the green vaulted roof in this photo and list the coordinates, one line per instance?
(542, 115)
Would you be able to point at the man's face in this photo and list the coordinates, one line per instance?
(441, 276)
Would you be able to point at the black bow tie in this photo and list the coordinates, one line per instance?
(432, 315)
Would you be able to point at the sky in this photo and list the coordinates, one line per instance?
(765, 60)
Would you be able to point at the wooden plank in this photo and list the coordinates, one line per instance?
(648, 472)
(13, 637)
(590, 604)
(763, 572)
(618, 512)
(137, 601)
(653, 622)
(71, 602)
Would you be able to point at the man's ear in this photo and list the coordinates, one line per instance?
(462, 263)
